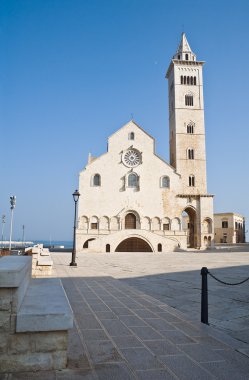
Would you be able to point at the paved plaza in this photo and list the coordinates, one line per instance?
(137, 317)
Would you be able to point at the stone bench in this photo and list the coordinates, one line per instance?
(35, 316)
(42, 263)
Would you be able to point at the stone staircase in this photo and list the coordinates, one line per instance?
(35, 316)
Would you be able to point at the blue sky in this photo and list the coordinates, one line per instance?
(72, 72)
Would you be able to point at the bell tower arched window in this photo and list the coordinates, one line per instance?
(190, 128)
(189, 100)
(191, 180)
(190, 153)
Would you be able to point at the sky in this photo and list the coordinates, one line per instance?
(74, 71)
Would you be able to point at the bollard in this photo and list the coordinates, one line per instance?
(204, 296)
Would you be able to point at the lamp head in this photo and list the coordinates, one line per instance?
(76, 196)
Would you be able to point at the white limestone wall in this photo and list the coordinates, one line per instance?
(113, 198)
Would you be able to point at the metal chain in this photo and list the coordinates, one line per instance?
(227, 283)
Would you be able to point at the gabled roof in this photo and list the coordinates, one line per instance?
(134, 123)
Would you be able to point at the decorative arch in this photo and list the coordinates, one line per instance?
(84, 222)
(104, 223)
(166, 224)
(145, 223)
(94, 223)
(175, 224)
(155, 224)
(114, 223)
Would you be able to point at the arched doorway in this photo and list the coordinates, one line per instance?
(133, 244)
(189, 223)
(130, 221)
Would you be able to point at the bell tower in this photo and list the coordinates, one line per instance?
(186, 118)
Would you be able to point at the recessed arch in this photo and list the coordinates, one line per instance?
(207, 226)
(130, 221)
(134, 244)
(189, 220)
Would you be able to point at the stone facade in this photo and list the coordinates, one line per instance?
(132, 200)
(229, 228)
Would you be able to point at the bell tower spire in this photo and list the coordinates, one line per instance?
(184, 52)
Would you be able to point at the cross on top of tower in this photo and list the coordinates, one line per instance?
(184, 52)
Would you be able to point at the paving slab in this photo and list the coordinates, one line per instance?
(124, 329)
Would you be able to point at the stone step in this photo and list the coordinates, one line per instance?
(15, 272)
(45, 307)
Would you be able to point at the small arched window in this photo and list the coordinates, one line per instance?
(132, 180)
(191, 180)
(165, 181)
(179, 57)
(190, 128)
(184, 80)
(189, 100)
(181, 79)
(191, 80)
(96, 180)
(159, 247)
(188, 80)
(186, 57)
(131, 136)
(191, 154)
(107, 248)
(195, 81)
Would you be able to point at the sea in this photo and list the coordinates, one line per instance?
(55, 243)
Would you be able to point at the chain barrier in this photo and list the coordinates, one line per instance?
(204, 291)
(228, 283)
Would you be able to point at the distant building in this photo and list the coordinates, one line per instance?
(132, 200)
(229, 228)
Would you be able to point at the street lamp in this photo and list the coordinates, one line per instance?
(23, 228)
(3, 223)
(12, 206)
(76, 196)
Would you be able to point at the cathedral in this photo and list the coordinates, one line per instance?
(132, 199)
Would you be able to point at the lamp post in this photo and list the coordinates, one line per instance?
(76, 196)
(12, 206)
(23, 228)
(3, 223)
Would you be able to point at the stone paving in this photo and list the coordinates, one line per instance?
(124, 332)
